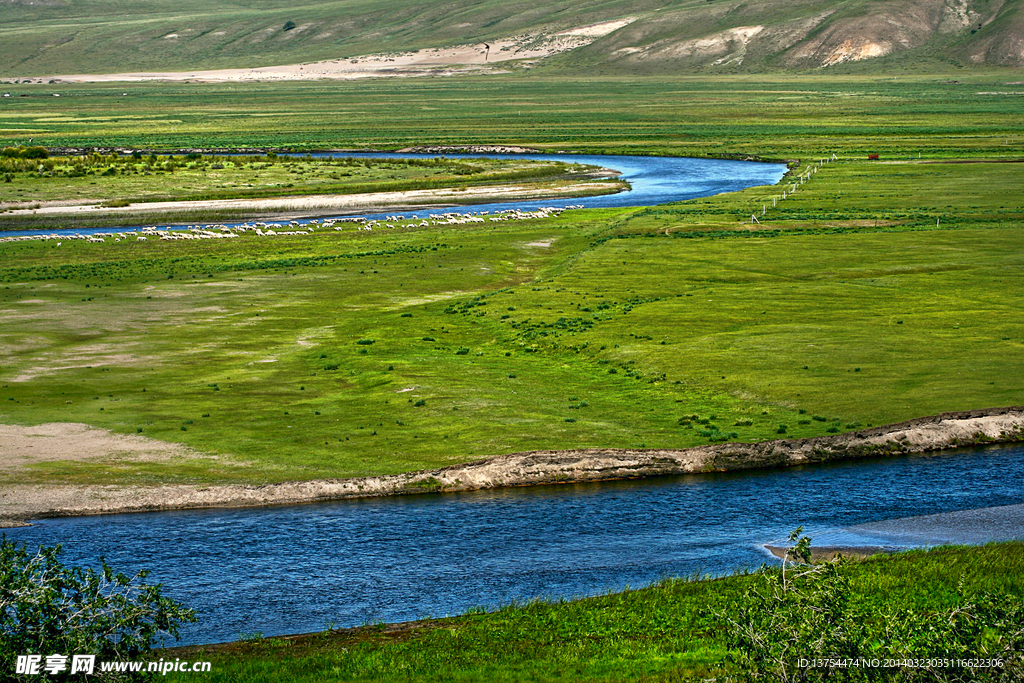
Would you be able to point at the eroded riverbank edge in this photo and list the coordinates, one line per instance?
(18, 504)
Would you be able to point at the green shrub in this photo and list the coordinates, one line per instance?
(48, 608)
(22, 152)
(801, 613)
(722, 436)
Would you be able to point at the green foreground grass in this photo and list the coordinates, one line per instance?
(673, 631)
(357, 353)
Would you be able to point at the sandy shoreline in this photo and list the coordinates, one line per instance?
(304, 204)
(977, 526)
(829, 552)
(20, 503)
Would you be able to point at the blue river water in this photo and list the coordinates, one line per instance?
(654, 180)
(292, 569)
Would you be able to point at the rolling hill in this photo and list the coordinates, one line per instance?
(40, 37)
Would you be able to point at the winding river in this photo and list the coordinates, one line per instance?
(653, 180)
(294, 569)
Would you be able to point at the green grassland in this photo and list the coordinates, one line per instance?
(355, 353)
(769, 117)
(111, 177)
(879, 291)
(673, 631)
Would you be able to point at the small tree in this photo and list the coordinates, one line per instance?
(49, 608)
(802, 614)
(805, 612)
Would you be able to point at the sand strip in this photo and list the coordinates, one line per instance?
(980, 525)
(830, 552)
(365, 201)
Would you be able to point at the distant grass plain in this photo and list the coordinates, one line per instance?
(773, 116)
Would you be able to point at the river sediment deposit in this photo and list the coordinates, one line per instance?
(948, 430)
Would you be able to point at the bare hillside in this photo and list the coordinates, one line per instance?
(41, 38)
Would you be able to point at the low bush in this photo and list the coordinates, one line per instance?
(48, 608)
(802, 622)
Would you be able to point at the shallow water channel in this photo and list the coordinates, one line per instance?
(294, 569)
(653, 180)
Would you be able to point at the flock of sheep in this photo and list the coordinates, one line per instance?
(261, 229)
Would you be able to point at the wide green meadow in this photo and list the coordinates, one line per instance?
(951, 113)
(352, 352)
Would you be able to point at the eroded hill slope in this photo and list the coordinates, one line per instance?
(39, 37)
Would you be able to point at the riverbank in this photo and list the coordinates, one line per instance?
(826, 553)
(948, 430)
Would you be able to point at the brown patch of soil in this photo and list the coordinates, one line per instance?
(64, 441)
